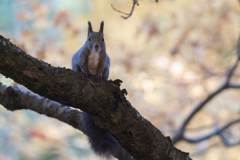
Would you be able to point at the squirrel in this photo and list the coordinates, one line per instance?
(92, 60)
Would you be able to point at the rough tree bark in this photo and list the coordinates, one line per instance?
(104, 100)
(14, 98)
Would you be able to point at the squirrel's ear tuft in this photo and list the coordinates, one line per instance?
(89, 27)
(101, 27)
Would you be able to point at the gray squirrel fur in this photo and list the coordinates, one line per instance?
(92, 60)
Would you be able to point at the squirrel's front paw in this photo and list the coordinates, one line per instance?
(87, 74)
(98, 78)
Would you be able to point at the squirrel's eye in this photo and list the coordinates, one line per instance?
(102, 39)
(89, 39)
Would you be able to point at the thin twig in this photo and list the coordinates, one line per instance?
(135, 2)
(226, 140)
(119, 10)
(207, 136)
(200, 152)
(232, 85)
(230, 73)
(179, 135)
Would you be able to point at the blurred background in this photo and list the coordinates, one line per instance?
(170, 56)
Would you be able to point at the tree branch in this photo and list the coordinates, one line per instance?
(179, 135)
(232, 85)
(105, 101)
(226, 140)
(118, 10)
(135, 2)
(214, 133)
(13, 98)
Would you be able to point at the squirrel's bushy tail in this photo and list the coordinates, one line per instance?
(101, 141)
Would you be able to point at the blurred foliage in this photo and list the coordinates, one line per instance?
(170, 55)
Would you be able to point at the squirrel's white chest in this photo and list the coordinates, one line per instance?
(93, 60)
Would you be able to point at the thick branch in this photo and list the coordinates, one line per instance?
(104, 100)
(13, 98)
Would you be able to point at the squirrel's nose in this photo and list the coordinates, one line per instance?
(96, 46)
